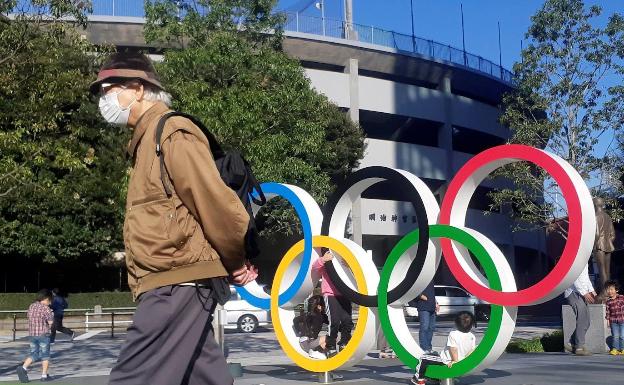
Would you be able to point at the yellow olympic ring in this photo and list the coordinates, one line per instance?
(339, 359)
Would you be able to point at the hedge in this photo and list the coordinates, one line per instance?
(549, 342)
(21, 301)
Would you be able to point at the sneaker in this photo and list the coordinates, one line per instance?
(582, 351)
(22, 374)
(614, 352)
(71, 339)
(416, 381)
(317, 355)
(568, 348)
(46, 378)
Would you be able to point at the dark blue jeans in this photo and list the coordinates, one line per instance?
(427, 327)
(617, 331)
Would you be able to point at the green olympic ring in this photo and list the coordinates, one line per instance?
(496, 316)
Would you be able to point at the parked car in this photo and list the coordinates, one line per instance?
(452, 300)
(241, 315)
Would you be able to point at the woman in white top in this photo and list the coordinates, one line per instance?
(460, 343)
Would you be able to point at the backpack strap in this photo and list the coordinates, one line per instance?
(215, 147)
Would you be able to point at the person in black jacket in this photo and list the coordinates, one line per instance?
(59, 304)
(308, 326)
(427, 308)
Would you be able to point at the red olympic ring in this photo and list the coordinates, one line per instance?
(449, 216)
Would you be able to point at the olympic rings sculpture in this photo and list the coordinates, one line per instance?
(412, 263)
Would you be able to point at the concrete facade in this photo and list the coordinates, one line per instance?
(420, 114)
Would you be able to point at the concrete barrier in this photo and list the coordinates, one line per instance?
(596, 338)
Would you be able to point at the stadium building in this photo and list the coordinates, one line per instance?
(425, 107)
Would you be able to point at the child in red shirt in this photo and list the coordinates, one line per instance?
(615, 316)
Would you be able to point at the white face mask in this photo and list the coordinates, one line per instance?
(112, 111)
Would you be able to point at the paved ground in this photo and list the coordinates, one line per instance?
(88, 361)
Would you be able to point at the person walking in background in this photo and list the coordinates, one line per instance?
(59, 304)
(40, 319)
(427, 309)
(615, 316)
(578, 296)
(338, 308)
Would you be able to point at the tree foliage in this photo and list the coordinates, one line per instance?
(233, 76)
(61, 168)
(569, 101)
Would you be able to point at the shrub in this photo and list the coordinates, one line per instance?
(21, 301)
(553, 342)
(525, 346)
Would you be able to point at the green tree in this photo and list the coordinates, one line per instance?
(569, 102)
(62, 169)
(233, 75)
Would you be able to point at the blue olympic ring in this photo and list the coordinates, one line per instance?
(284, 192)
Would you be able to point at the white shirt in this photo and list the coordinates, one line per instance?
(582, 285)
(463, 342)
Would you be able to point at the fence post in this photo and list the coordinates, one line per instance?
(297, 18)
(113, 324)
(87, 321)
(14, 325)
(372, 35)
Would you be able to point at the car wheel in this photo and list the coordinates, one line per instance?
(247, 323)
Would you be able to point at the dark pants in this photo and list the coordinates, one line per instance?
(58, 325)
(424, 362)
(427, 326)
(171, 341)
(581, 313)
(339, 313)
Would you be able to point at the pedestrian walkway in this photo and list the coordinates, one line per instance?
(511, 369)
(88, 362)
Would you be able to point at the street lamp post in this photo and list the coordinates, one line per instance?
(413, 37)
(321, 5)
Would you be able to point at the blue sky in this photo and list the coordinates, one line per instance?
(440, 20)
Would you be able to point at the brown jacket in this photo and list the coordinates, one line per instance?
(199, 232)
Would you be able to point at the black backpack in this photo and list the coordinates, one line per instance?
(237, 175)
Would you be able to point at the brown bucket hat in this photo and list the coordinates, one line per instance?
(121, 67)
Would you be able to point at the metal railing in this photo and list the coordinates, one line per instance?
(301, 23)
(296, 22)
(108, 323)
(96, 313)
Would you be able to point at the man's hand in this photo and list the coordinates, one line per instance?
(423, 297)
(244, 275)
(589, 298)
(450, 364)
(328, 256)
(437, 309)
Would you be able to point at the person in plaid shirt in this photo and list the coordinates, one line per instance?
(40, 318)
(615, 316)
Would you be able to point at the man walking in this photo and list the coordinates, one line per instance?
(578, 296)
(181, 233)
(59, 304)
